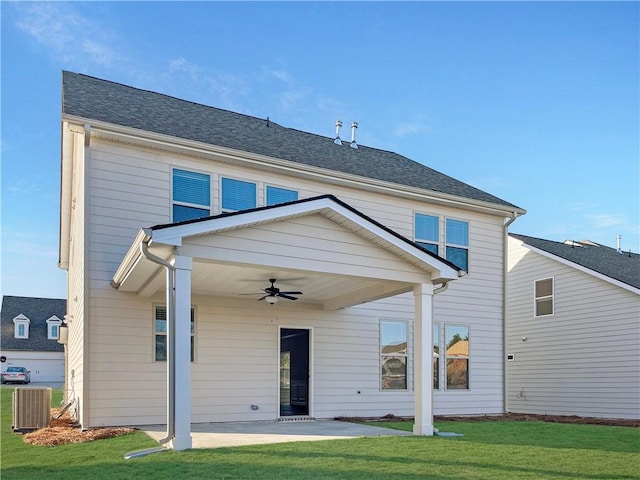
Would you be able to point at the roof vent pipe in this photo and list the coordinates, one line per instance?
(618, 238)
(354, 125)
(337, 141)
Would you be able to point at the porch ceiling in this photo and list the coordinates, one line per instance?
(325, 291)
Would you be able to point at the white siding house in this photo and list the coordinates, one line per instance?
(29, 337)
(158, 190)
(573, 329)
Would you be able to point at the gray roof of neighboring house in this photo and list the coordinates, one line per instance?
(38, 311)
(624, 267)
(96, 99)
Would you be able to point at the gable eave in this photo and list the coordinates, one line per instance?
(581, 268)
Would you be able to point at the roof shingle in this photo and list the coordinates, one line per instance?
(38, 311)
(624, 267)
(96, 99)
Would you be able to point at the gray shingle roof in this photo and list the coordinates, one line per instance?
(96, 99)
(38, 311)
(624, 267)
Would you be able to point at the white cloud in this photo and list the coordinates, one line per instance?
(417, 125)
(71, 38)
(606, 220)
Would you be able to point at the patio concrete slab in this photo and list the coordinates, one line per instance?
(216, 435)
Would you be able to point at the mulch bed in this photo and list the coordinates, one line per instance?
(518, 417)
(63, 431)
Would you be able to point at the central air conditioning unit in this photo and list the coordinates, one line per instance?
(31, 409)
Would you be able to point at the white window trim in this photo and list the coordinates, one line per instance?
(21, 320)
(552, 297)
(405, 355)
(51, 322)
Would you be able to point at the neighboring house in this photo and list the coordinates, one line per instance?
(30, 332)
(573, 329)
(171, 206)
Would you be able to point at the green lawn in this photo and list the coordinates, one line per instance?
(488, 450)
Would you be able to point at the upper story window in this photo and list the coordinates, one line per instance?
(191, 195)
(427, 231)
(21, 326)
(160, 333)
(237, 195)
(393, 355)
(276, 195)
(457, 251)
(544, 297)
(53, 328)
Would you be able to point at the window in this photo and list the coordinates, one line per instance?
(457, 250)
(436, 357)
(544, 297)
(457, 357)
(393, 353)
(427, 231)
(21, 326)
(276, 195)
(238, 195)
(191, 195)
(53, 328)
(160, 329)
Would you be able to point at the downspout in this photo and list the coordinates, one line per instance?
(171, 328)
(505, 274)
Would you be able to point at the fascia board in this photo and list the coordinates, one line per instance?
(66, 175)
(583, 269)
(130, 260)
(157, 140)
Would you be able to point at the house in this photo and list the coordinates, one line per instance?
(182, 228)
(30, 331)
(573, 329)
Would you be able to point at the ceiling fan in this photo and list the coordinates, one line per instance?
(273, 293)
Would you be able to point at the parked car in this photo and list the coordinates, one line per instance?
(17, 375)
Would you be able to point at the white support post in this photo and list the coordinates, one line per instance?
(423, 359)
(182, 439)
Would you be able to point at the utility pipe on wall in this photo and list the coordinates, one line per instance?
(171, 330)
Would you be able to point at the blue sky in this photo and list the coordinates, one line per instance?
(536, 103)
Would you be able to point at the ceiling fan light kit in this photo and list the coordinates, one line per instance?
(273, 294)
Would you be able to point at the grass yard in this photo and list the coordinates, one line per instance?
(488, 450)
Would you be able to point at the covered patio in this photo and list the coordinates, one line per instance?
(237, 434)
(338, 257)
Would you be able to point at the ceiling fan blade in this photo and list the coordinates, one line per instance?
(288, 297)
(262, 298)
(292, 293)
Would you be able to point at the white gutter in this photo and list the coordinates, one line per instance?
(171, 329)
(505, 275)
